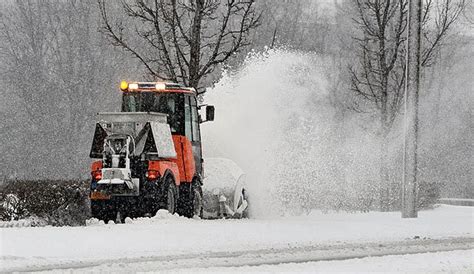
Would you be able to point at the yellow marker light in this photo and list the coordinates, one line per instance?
(160, 86)
(133, 86)
(123, 85)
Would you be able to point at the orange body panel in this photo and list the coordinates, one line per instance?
(96, 170)
(163, 165)
(185, 158)
(96, 166)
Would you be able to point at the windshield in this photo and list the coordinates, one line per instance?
(168, 103)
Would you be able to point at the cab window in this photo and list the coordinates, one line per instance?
(167, 103)
(195, 120)
(187, 117)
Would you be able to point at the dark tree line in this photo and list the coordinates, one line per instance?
(59, 71)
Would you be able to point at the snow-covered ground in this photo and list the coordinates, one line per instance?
(166, 241)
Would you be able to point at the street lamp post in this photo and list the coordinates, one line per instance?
(412, 87)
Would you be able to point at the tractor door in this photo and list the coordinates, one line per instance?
(192, 130)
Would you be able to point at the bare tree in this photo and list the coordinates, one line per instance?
(182, 40)
(468, 14)
(438, 17)
(297, 24)
(378, 77)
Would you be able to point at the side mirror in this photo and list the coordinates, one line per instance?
(210, 113)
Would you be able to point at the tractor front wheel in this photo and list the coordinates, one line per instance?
(191, 202)
(197, 200)
(171, 195)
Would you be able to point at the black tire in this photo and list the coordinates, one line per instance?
(102, 210)
(245, 214)
(171, 195)
(191, 200)
(197, 201)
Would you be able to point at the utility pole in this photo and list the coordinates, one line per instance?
(412, 87)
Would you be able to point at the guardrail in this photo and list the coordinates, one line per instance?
(456, 201)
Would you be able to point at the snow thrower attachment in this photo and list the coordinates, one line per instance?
(224, 191)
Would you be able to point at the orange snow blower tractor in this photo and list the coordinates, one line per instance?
(149, 155)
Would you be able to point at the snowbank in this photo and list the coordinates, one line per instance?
(161, 217)
(28, 222)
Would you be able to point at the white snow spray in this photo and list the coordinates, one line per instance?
(275, 120)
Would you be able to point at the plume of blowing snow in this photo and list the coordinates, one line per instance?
(275, 120)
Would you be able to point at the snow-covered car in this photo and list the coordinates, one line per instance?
(224, 191)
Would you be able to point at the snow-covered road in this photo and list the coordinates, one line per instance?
(265, 257)
(459, 262)
(170, 242)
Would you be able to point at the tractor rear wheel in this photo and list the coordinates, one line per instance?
(102, 210)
